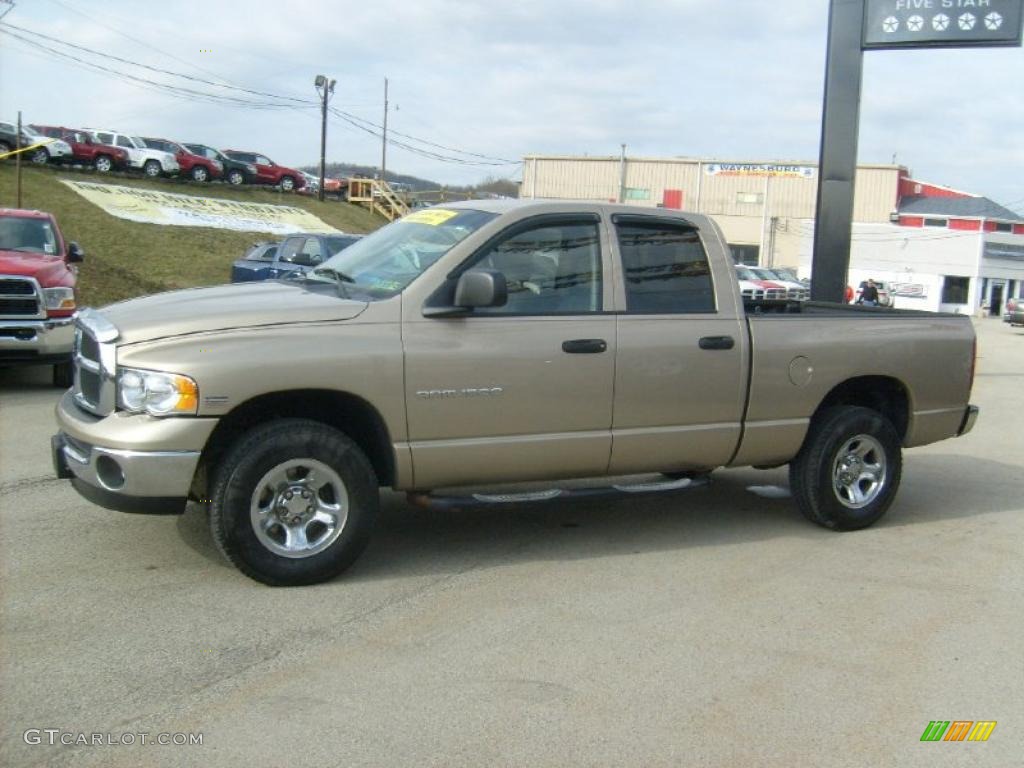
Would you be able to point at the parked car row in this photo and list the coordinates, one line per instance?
(106, 150)
(763, 284)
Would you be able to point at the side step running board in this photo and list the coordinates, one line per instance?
(431, 501)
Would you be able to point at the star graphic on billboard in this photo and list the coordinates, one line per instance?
(940, 23)
(890, 24)
(967, 22)
(915, 23)
(993, 21)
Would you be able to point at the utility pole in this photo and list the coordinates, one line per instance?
(17, 163)
(325, 89)
(384, 143)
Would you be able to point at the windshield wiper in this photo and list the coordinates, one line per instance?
(340, 278)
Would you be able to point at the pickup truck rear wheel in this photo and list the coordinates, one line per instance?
(848, 470)
(294, 502)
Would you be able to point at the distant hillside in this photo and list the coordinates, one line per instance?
(343, 170)
(489, 187)
(124, 259)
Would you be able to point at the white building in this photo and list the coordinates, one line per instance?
(942, 248)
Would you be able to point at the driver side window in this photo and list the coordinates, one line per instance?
(551, 267)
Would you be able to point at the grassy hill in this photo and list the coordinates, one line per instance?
(125, 259)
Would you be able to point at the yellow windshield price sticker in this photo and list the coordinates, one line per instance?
(431, 216)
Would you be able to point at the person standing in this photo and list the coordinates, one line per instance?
(869, 294)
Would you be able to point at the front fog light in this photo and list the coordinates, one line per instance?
(159, 394)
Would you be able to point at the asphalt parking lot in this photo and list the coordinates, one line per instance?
(714, 627)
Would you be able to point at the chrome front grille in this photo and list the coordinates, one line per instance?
(95, 363)
(21, 298)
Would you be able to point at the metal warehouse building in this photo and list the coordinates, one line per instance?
(942, 248)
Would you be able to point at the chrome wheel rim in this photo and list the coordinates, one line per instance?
(287, 184)
(299, 508)
(199, 174)
(152, 169)
(103, 164)
(859, 472)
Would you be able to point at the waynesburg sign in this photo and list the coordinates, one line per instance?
(941, 23)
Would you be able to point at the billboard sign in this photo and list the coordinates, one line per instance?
(941, 23)
(751, 169)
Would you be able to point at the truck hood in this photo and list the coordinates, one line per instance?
(44, 268)
(223, 307)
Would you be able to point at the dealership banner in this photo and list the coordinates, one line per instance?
(750, 169)
(151, 206)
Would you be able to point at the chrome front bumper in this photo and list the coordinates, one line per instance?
(127, 481)
(29, 339)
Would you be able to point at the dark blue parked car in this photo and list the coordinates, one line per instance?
(293, 256)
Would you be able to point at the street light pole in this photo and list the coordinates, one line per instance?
(325, 89)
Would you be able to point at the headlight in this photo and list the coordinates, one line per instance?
(59, 298)
(156, 393)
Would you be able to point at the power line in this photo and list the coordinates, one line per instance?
(467, 158)
(151, 68)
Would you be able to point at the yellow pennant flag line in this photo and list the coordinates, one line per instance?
(5, 155)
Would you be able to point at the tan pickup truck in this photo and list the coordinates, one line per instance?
(493, 342)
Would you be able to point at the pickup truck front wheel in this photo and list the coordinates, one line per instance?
(848, 470)
(294, 502)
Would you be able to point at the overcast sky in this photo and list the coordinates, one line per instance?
(738, 80)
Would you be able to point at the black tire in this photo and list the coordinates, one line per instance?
(152, 169)
(63, 375)
(199, 173)
(236, 177)
(829, 473)
(103, 164)
(254, 460)
(40, 156)
(287, 183)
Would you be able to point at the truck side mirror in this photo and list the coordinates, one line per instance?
(75, 252)
(475, 288)
(481, 288)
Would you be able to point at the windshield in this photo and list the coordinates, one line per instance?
(745, 274)
(29, 235)
(137, 142)
(382, 264)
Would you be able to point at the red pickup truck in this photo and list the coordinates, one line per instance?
(37, 292)
(86, 150)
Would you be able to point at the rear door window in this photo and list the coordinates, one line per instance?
(665, 267)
